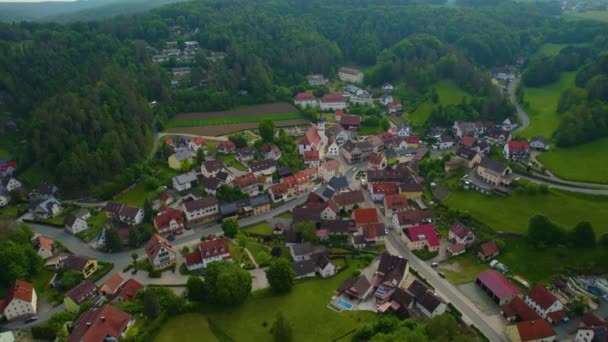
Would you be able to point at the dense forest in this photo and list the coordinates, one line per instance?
(77, 94)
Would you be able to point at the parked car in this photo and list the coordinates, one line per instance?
(434, 264)
(441, 274)
(30, 320)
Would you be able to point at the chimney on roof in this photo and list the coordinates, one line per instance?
(103, 318)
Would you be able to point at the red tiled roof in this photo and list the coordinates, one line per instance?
(535, 330)
(114, 282)
(489, 248)
(349, 198)
(459, 230)
(339, 113)
(591, 320)
(289, 180)
(198, 140)
(350, 120)
(128, 290)
(412, 139)
(331, 165)
(311, 155)
(246, 180)
(468, 141)
(517, 307)
(154, 246)
(212, 248)
(542, 297)
(372, 230)
(213, 165)
(350, 71)
(305, 96)
(300, 178)
(228, 145)
(19, 290)
(556, 316)
(425, 231)
(498, 284)
(194, 258)
(333, 98)
(43, 242)
(375, 158)
(96, 324)
(163, 220)
(384, 188)
(311, 137)
(518, 146)
(365, 215)
(396, 201)
(279, 189)
(413, 216)
(457, 247)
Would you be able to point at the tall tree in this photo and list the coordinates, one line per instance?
(230, 227)
(583, 236)
(227, 283)
(266, 128)
(280, 275)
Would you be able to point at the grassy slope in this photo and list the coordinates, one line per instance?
(542, 108)
(549, 49)
(232, 120)
(591, 15)
(567, 162)
(449, 93)
(305, 307)
(511, 213)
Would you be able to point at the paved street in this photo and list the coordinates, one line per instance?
(521, 114)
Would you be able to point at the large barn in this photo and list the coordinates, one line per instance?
(497, 286)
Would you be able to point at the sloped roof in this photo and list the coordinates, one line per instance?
(429, 301)
(305, 96)
(542, 297)
(518, 146)
(128, 290)
(114, 282)
(213, 165)
(333, 98)
(396, 201)
(498, 284)
(156, 244)
(493, 165)
(204, 202)
(304, 267)
(424, 232)
(96, 324)
(535, 330)
(349, 198)
(163, 220)
(75, 262)
(517, 307)
(365, 215)
(19, 290)
(489, 248)
(413, 216)
(460, 230)
(85, 291)
(245, 180)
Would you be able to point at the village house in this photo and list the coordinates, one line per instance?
(176, 160)
(376, 161)
(45, 208)
(517, 310)
(85, 291)
(443, 143)
(488, 250)
(347, 200)
(365, 215)
(208, 251)
(196, 143)
(362, 98)
(245, 154)
(459, 233)
(111, 285)
(4, 200)
(7, 167)
(532, 331)
(497, 136)
(339, 133)
(430, 304)
(44, 246)
(306, 99)
(421, 237)
(394, 107)
(539, 143)
(160, 252)
(546, 304)
(329, 169)
(372, 233)
(471, 158)
(386, 98)
(312, 140)
(350, 123)
(131, 215)
(333, 101)
(184, 181)
(271, 151)
(202, 209)
(126, 291)
(264, 167)
(338, 184)
(210, 168)
(303, 269)
(169, 222)
(350, 75)
(411, 218)
(81, 264)
(395, 203)
(248, 183)
(333, 149)
(516, 149)
(10, 184)
(20, 300)
(379, 191)
(500, 290)
(311, 158)
(467, 141)
(279, 192)
(259, 204)
(77, 222)
(483, 147)
(356, 288)
(226, 147)
(494, 172)
(351, 152)
(591, 328)
(457, 249)
(330, 212)
(316, 80)
(474, 129)
(100, 324)
(387, 87)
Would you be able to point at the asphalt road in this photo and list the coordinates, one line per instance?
(571, 188)
(521, 114)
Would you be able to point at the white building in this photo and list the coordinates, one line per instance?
(201, 209)
(306, 99)
(12, 184)
(3, 200)
(160, 252)
(350, 75)
(545, 303)
(21, 300)
(208, 251)
(333, 149)
(184, 181)
(333, 101)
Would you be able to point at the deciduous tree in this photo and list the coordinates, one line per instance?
(280, 275)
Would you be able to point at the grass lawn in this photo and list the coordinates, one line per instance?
(229, 160)
(369, 130)
(550, 262)
(3, 153)
(96, 223)
(511, 213)
(12, 211)
(286, 215)
(305, 308)
(260, 253)
(566, 162)
(232, 120)
(41, 284)
(549, 49)
(262, 228)
(590, 15)
(463, 268)
(542, 108)
(449, 93)
(136, 196)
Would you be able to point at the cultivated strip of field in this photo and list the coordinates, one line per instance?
(233, 120)
(218, 130)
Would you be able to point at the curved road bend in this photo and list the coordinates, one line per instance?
(521, 114)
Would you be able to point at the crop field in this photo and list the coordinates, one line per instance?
(232, 120)
(257, 113)
(232, 128)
